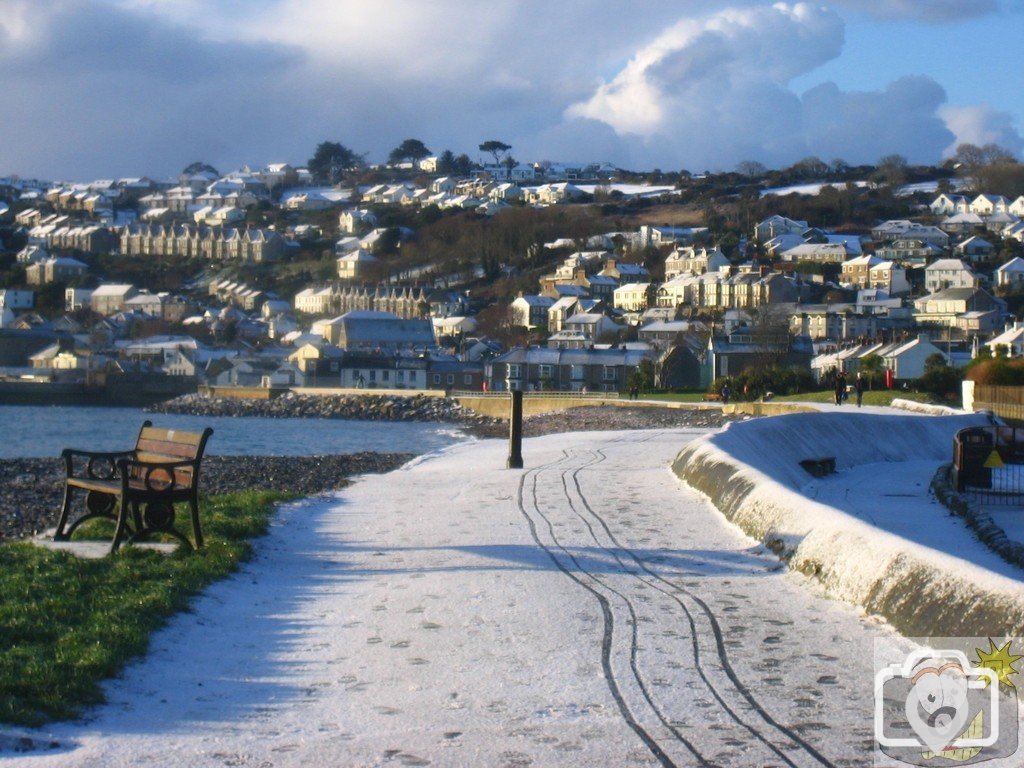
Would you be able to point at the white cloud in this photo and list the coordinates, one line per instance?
(980, 125)
(680, 75)
(108, 87)
(714, 91)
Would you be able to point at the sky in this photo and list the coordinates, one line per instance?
(111, 88)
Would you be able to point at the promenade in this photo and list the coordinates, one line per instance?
(589, 609)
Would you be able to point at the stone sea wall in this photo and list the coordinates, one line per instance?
(363, 407)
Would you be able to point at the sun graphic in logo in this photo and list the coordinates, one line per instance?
(1000, 661)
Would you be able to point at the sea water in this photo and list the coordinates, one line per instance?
(29, 431)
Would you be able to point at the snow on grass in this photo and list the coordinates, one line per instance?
(809, 189)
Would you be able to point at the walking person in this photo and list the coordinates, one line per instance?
(858, 387)
(726, 393)
(840, 387)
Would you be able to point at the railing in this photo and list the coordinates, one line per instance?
(1004, 401)
(988, 463)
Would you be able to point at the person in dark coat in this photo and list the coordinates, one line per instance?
(858, 387)
(840, 387)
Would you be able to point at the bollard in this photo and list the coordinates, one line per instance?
(515, 431)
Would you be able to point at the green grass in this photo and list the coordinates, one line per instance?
(875, 397)
(871, 397)
(675, 397)
(68, 623)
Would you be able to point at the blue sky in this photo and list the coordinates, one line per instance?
(975, 59)
(101, 88)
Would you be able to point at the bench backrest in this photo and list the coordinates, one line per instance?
(166, 445)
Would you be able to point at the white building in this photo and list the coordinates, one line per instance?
(948, 273)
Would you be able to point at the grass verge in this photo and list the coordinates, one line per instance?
(871, 397)
(67, 623)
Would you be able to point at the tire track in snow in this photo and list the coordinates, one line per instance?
(597, 588)
(676, 593)
(662, 736)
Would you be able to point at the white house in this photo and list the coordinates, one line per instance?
(904, 229)
(506, 192)
(1015, 232)
(819, 253)
(1017, 207)
(948, 273)
(444, 184)
(1011, 339)
(776, 225)
(631, 297)
(531, 310)
(76, 298)
(357, 220)
(695, 261)
(962, 222)
(974, 248)
(314, 301)
(949, 204)
(590, 325)
(356, 265)
(906, 361)
(986, 205)
(110, 298)
(1011, 274)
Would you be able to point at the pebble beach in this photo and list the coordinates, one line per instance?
(31, 497)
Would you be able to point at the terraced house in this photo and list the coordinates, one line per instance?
(248, 245)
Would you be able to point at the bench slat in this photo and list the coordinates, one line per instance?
(168, 447)
(153, 446)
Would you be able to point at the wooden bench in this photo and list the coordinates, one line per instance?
(137, 489)
(711, 397)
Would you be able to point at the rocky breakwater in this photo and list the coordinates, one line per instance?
(30, 499)
(361, 407)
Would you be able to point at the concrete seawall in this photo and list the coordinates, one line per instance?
(751, 471)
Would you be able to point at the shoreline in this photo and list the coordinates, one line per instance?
(30, 500)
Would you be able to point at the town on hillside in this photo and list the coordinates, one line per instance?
(440, 273)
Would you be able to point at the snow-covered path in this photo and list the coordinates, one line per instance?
(588, 610)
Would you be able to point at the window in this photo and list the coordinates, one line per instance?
(545, 371)
(412, 377)
(373, 375)
(400, 376)
(437, 378)
(467, 379)
(514, 370)
(608, 373)
(450, 378)
(385, 375)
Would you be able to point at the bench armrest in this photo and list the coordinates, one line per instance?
(99, 465)
(158, 476)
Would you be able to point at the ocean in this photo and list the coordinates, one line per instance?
(30, 431)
